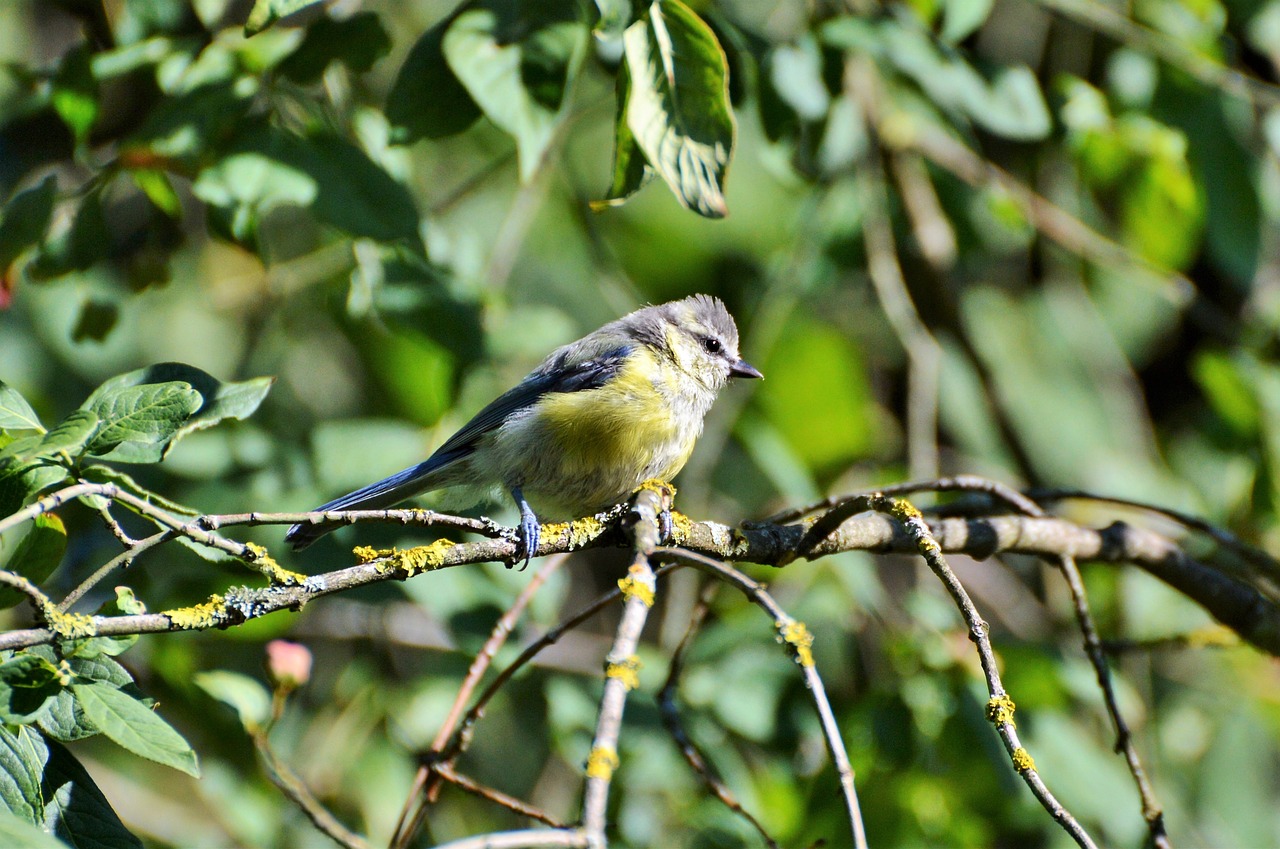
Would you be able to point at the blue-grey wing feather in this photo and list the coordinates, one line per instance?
(574, 368)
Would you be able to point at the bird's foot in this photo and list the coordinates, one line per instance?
(529, 534)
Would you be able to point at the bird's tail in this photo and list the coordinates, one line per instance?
(376, 496)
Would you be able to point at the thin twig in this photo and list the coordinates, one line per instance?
(1203, 68)
(670, 712)
(924, 355)
(1254, 556)
(122, 560)
(1000, 706)
(1055, 222)
(511, 803)
(799, 642)
(1151, 810)
(530, 839)
(621, 670)
(403, 516)
(297, 791)
(424, 788)
(956, 483)
(117, 530)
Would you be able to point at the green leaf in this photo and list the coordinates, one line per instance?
(961, 18)
(159, 190)
(75, 810)
(23, 480)
(219, 401)
(357, 42)
(428, 101)
(678, 104)
(139, 422)
(631, 171)
(268, 168)
(16, 833)
(22, 758)
(516, 60)
(27, 683)
(75, 93)
(15, 412)
(26, 219)
(131, 724)
(267, 12)
(615, 15)
(65, 719)
(37, 555)
(246, 696)
(71, 435)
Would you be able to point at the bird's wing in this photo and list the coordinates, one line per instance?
(574, 368)
(561, 372)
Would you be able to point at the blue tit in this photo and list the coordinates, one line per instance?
(597, 418)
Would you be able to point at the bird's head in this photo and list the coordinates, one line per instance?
(700, 338)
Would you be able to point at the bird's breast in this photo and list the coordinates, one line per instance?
(595, 446)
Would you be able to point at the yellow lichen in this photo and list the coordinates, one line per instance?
(636, 585)
(410, 561)
(1000, 710)
(70, 626)
(1022, 760)
(796, 635)
(627, 671)
(601, 763)
(576, 534)
(659, 486)
(198, 616)
(261, 560)
(681, 528)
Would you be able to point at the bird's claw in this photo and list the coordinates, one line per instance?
(529, 534)
(664, 525)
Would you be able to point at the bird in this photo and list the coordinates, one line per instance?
(597, 418)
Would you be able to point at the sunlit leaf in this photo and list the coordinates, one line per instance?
(961, 18)
(268, 168)
(267, 12)
(216, 400)
(159, 190)
(15, 412)
(678, 104)
(246, 696)
(515, 61)
(139, 422)
(17, 833)
(133, 725)
(75, 93)
(21, 764)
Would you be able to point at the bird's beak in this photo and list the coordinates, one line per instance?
(742, 368)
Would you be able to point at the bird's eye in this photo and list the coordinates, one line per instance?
(712, 345)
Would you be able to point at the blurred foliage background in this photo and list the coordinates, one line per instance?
(1031, 239)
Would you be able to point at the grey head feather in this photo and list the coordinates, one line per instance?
(649, 324)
